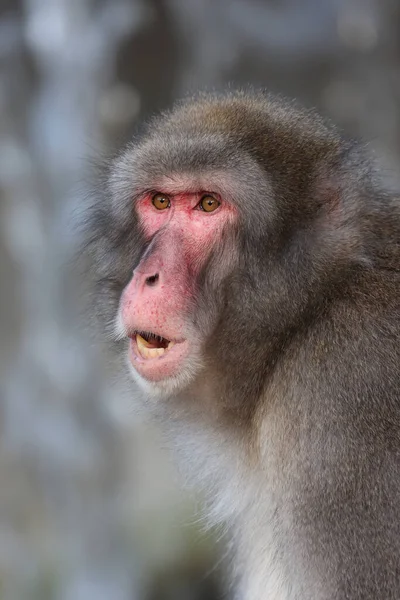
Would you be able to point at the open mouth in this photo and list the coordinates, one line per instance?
(149, 345)
(155, 357)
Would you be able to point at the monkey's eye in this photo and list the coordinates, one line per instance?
(208, 203)
(160, 201)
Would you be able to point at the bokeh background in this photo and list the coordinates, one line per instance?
(91, 507)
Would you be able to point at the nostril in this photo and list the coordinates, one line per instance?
(152, 280)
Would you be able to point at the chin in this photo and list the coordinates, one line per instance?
(173, 384)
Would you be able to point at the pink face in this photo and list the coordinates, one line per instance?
(182, 230)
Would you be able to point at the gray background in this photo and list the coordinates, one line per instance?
(90, 506)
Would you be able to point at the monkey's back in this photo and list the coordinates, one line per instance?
(333, 449)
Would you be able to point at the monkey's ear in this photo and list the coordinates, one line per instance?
(343, 194)
(343, 181)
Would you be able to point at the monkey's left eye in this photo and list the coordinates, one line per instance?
(160, 201)
(208, 203)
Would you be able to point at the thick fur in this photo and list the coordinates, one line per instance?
(292, 416)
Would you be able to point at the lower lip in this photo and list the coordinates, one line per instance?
(160, 367)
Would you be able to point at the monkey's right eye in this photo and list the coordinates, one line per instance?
(160, 201)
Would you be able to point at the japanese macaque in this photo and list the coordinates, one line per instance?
(247, 262)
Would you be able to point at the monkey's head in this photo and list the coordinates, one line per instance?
(221, 227)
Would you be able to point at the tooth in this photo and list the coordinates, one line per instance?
(145, 351)
(141, 345)
(153, 352)
(143, 342)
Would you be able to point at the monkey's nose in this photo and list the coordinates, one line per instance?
(152, 280)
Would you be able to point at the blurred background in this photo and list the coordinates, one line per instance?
(91, 507)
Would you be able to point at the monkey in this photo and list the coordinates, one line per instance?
(246, 261)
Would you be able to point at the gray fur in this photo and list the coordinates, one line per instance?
(292, 419)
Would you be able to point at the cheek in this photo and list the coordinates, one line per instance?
(204, 236)
(151, 220)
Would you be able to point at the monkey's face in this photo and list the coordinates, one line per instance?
(159, 310)
(204, 243)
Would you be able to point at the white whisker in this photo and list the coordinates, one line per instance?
(119, 331)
